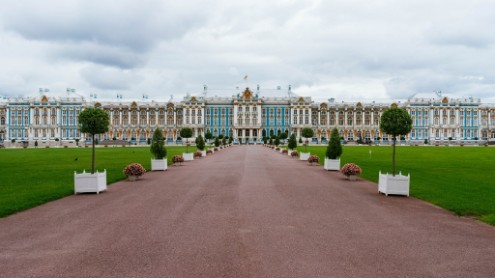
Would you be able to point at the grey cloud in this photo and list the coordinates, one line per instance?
(110, 78)
(100, 54)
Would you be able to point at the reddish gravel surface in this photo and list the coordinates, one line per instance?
(246, 211)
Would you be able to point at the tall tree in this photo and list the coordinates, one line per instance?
(395, 121)
(307, 133)
(186, 133)
(93, 121)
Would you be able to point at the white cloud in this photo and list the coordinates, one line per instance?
(349, 50)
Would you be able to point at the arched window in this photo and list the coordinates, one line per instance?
(2, 121)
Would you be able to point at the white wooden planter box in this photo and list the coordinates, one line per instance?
(203, 153)
(304, 156)
(332, 164)
(188, 156)
(398, 185)
(159, 164)
(87, 182)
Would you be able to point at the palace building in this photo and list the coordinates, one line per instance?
(246, 118)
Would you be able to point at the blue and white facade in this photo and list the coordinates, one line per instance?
(246, 117)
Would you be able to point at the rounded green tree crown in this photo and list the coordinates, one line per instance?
(93, 121)
(186, 132)
(307, 132)
(395, 121)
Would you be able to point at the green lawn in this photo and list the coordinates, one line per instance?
(30, 177)
(460, 179)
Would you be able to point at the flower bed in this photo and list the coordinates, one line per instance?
(285, 151)
(350, 169)
(134, 169)
(215, 149)
(294, 154)
(209, 151)
(314, 159)
(277, 149)
(198, 154)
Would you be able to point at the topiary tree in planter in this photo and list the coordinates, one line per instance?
(217, 142)
(334, 148)
(306, 133)
(224, 141)
(158, 149)
(283, 136)
(186, 133)
(333, 153)
(208, 135)
(276, 141)
(93, 121)
(270, 141)
(292, 142)
(394, 121)
(200, 143)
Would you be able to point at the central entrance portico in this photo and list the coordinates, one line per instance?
(247, 118)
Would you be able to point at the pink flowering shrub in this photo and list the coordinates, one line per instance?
(177, 159)
(350, 169)
(134, 169)
(313, 159)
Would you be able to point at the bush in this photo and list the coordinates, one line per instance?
(334, 149)
(285, 151)
(198, 154)
(157, 147)
(134, 169)
(215, 149)
(313, 159)
(294, 154)
(208, 135)
(177, 159)
(209, 151)
(217, 142)
(292, 142)
(351, 169)
(200, 143)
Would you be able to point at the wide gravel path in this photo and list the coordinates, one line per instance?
(246, 211)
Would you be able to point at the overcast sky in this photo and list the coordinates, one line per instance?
(349, 50)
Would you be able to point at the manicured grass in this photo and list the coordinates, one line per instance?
(460, 179)
(30, 177)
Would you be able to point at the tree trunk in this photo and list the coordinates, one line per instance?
(93, 155)
(394, 139)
